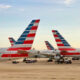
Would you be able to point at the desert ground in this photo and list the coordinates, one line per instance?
(41, 70)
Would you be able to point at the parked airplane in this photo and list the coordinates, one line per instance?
(23, 45)
(64, 47)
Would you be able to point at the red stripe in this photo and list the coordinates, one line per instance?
(70, 53)
(67, 49)
(48, 48)
(55, 35)
(14, 55)
(31, 35)
(58, 40)
(34, 28)
(11, 41)
(20, 48)
(60, 44)
(53, 30)
(37, 21)
(28, 42)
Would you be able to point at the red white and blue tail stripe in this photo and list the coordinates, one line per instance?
(26, 39)
(49, 46)
(61, 42)
(12, 41)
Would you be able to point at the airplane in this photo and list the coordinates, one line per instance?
(64, 47)
(23, 45)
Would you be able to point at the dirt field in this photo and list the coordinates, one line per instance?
(41, 70)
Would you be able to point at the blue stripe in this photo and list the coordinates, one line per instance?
(33, 21)
(28, 28)
(66, 44)
(22, 36)
(25, 32)
(61, 37)
(21, 39)
(63, 41)
(19, 42)
(30, 25)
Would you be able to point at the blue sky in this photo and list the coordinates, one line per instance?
(63, 15)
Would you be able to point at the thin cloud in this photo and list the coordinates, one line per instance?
(68, 2)
(22, 9)
(3, 6)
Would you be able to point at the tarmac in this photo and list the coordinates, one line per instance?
(41, 70)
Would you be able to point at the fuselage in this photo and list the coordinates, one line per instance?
(12, 54)
(71, 52)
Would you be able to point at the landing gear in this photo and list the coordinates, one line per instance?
(29, 61)
(50, 59)
(75, 58)
(59, 59)
(67, 61)
(15, 62)
(63, 61)
(24, 60)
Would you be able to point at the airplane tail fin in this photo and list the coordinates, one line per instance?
(61, 42)
(12, 41)
(26, 39)
(49, 46)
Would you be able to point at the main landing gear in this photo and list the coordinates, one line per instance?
(50, 59)
(75, 58)
(59, 59)
(29, 61)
